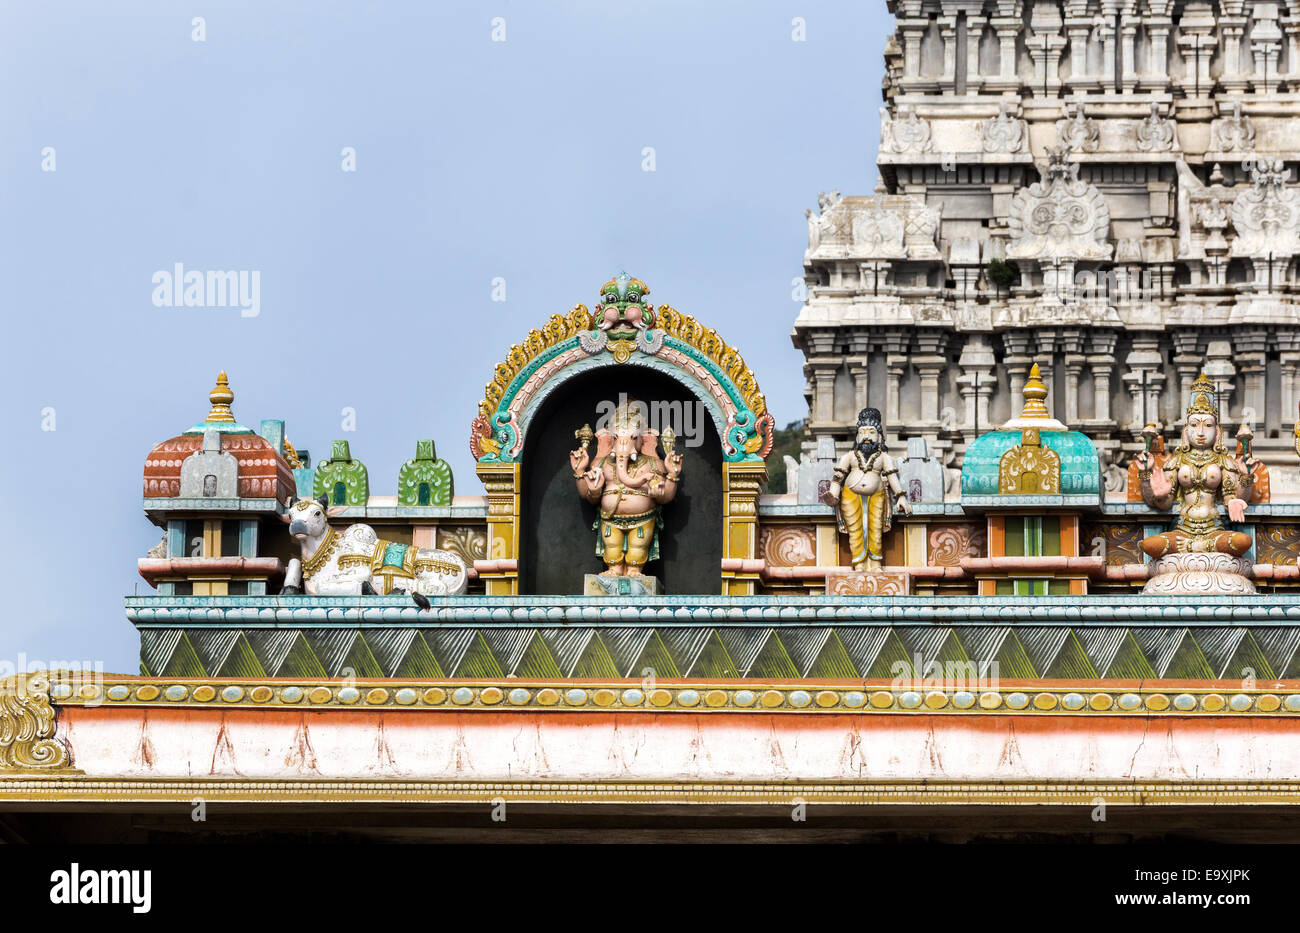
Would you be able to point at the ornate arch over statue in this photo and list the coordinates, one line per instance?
(623, 333)
(569, 344)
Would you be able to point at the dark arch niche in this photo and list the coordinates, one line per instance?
(557, 543)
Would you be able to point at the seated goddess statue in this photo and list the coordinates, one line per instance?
(1194, 479)
(1200, 555)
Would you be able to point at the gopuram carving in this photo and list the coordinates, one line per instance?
(1060, 217)
(1113, 202)
(1002, 133)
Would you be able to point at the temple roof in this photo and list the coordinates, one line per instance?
(264, 473)
(1032, 460)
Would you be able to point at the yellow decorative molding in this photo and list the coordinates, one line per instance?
(132, 792)
(741, 485)
(691, 697)
(501, 481)
(27, 741)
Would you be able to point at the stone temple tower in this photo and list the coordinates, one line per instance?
(1102, 187)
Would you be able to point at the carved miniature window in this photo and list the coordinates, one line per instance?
(1041, 587)
(1033, 536)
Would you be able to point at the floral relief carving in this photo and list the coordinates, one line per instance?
(1002, 133)
(1118, 542)
(1079, 132)
(908, 134)
(1060, 217)
(1029, 469)
(1277, 544)
(788, 545)
(950, 543)
(465, 541)
(1155, 133)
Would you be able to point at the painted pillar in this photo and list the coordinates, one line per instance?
(741, 483)
(502, 483)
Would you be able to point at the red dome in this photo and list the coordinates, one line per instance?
(264, 473)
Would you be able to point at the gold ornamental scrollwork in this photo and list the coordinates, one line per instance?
(690, 331)
(558, 327)
(27, 741)
(1029, 469)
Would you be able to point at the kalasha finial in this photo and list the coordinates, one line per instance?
(1035, 395)
(221, 397)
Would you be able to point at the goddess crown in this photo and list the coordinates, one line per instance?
(1203, 400)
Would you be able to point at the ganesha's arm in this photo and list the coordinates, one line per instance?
(663, 489)
(588, 489)
(664, 492)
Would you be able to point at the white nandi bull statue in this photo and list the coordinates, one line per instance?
(355, 562)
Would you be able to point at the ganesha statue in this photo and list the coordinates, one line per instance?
(629, 483)
(1200, 555)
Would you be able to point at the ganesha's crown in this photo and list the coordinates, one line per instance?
(1203, 400)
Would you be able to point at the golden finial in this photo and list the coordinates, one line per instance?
(221, 397)
(1035, 395)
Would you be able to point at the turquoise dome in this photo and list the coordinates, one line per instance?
(1080, 465)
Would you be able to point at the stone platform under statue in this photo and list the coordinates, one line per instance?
(608, 584)
(1200, 574)
(868, 583)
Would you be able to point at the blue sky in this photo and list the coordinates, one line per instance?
(475, 159)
